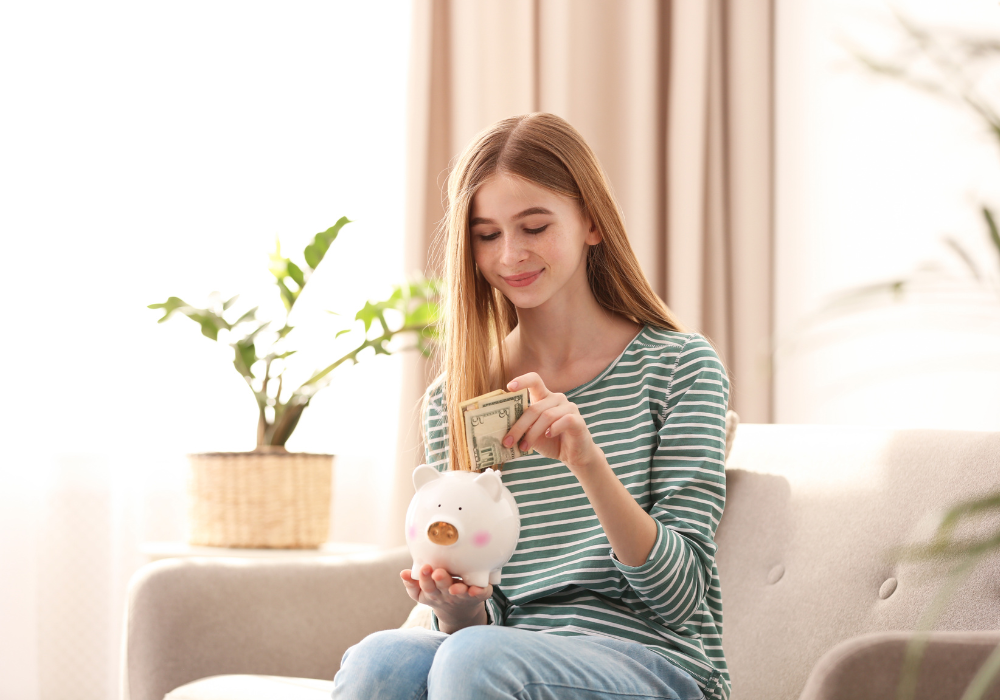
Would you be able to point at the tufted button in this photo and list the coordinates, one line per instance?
(887, 588)
(775, 574)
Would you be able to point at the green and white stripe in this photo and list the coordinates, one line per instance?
(659, 414)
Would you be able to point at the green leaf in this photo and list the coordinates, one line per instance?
(248, 353)
(227, 304)
(285, 330)
(248, 316)
(942, 543)
(426, 287)
(208, 328)
(282, 356)
(368, 314)
(964, 509)
(208, 323)
(431, 333)
(313, 255)
(171, 305)
(316, 250)
(251, 336)
(287, 295)
(295, 272)
(424, 314)
(992, 224)
(962, 253)
(340, 333)
(278, 265)
(245, 357)
(331, 233)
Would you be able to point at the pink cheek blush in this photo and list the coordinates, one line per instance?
(481, 538)
(412, 532)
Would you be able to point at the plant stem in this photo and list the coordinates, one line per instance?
(353, 355)
(287, 415)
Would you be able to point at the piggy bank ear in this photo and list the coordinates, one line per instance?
(423, 474)
(490, 481)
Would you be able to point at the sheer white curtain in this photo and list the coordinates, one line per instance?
(872, 176)
(157, 150)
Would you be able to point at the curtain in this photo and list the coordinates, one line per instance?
(71, 529)
(674, 96)
(173, 171)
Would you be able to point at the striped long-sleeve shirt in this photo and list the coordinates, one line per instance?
(658, 413)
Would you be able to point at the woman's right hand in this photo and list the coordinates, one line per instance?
(455, 604)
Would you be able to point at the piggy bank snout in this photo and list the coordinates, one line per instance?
(442, 533)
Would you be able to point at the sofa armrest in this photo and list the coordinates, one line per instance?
(195, 617)
(868, 667)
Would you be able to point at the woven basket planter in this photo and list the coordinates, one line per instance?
(259, 499)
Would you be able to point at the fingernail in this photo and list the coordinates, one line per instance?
(548, 432)
(508, 441)
(524, 445)
(512, 385)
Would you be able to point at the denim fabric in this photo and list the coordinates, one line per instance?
(489, 662)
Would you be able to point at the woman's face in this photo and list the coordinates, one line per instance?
(529, 242)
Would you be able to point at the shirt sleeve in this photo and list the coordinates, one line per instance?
(495, 612)
(435, 422)
(688, 484)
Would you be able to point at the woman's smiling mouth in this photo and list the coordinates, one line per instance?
(522, 280)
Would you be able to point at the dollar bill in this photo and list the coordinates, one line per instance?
(468, 405)
(474, 403)
(487, 421)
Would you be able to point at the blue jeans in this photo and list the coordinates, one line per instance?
(489, 662)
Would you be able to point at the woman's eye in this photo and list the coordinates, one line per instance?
(533, 231)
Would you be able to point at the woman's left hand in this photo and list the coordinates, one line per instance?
(552, 425)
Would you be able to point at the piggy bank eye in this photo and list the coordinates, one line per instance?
(439, 505)
(460, 507)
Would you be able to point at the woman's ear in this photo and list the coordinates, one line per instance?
(594, 235)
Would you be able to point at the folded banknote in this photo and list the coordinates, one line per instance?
(487, 420)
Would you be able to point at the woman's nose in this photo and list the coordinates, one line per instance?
(512, 250)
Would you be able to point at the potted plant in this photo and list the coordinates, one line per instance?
(271, 497)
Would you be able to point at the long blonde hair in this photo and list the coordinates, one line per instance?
(476, 318)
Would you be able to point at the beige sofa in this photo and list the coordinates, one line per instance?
(815, 606)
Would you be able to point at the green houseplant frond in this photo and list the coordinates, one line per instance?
(414, 304)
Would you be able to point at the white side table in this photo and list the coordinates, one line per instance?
(166, 550)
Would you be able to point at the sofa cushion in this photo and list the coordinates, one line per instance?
(808, 542)
(420, 616)
(251, 687)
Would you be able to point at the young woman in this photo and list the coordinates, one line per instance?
(613, 590)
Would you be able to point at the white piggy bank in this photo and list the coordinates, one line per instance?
(466, 523)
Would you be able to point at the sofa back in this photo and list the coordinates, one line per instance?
(805, 544)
